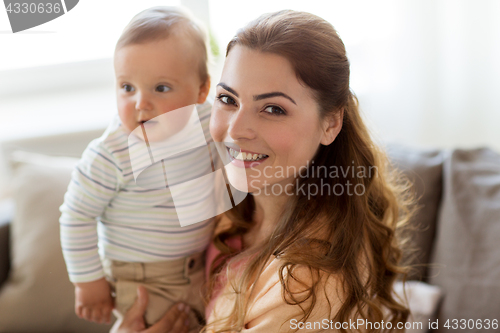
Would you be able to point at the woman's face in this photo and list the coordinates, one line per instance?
(267, 119)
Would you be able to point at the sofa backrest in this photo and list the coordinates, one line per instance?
(459, 234)
(424, 169)
(68, 144)
(465, 260)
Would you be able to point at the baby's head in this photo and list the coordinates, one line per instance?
(160, 64)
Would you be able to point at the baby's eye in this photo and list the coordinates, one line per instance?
(226, 99)
(275, 110)
(127, 87)
(162, 88)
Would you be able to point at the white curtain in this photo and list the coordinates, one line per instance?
(427, 72)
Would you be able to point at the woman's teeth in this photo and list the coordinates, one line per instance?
(242, 156)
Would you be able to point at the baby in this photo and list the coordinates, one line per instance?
(160, 65)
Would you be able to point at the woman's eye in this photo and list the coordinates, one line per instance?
(162, 88)
(226, 100)
(274, 110)
(127, 87)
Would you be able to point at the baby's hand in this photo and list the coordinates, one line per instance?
(93, 301)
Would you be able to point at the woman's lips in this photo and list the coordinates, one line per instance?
(245, 158)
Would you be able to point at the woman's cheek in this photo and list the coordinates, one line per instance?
(292, 147)
(281, 143)
(217, 126)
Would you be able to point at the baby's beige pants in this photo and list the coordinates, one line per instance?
(167, 282)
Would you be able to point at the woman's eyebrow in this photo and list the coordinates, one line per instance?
(225, 86)
(273, 94)
(258, 97)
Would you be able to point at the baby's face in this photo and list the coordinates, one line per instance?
(156, 77)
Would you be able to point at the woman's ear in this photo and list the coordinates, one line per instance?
(331, 127)
(204, 90)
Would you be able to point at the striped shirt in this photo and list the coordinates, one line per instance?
(107, 214)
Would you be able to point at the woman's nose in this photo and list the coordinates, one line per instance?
(241, 125)
(143, 102)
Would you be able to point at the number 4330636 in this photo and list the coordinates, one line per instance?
(32, 8)
(471, 324)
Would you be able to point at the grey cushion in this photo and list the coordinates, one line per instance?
(466, 257)
(424, 168)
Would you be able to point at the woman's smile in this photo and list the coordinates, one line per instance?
(245, 158)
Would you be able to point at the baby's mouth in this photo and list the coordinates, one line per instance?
(142, 122)
(245, 156)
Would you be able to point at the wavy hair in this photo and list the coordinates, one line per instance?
(360, 243)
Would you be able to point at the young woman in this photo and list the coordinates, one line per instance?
(315, 244)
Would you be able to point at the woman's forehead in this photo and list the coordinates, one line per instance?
(256, 72)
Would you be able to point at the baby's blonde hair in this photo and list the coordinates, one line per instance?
(160, 22)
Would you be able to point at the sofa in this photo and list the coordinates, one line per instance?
(456, 233)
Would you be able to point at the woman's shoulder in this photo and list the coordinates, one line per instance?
(299, 277)
(270, 310)
(273, 303)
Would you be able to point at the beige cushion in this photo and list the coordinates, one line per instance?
(466, 258)
(38, 296)
(67, 144)
(424, 168)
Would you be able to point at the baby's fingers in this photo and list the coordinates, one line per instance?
(96, 315)
(106, 314)
(102, 314)
(86, 313)
(78, 311)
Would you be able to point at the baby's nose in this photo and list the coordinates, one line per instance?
(143, 103)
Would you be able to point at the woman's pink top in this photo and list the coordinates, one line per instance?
(267, 310)
(212, 253)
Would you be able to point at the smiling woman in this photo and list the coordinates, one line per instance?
(284, 100)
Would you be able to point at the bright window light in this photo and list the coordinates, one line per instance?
(88, 32)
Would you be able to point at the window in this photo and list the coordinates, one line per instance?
(87, 32)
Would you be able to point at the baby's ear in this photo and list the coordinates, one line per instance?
(204, 90)
(331, 127)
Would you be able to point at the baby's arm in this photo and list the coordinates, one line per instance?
(93, 301)
(93, 186)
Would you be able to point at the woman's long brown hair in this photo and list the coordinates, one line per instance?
(360, 243)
